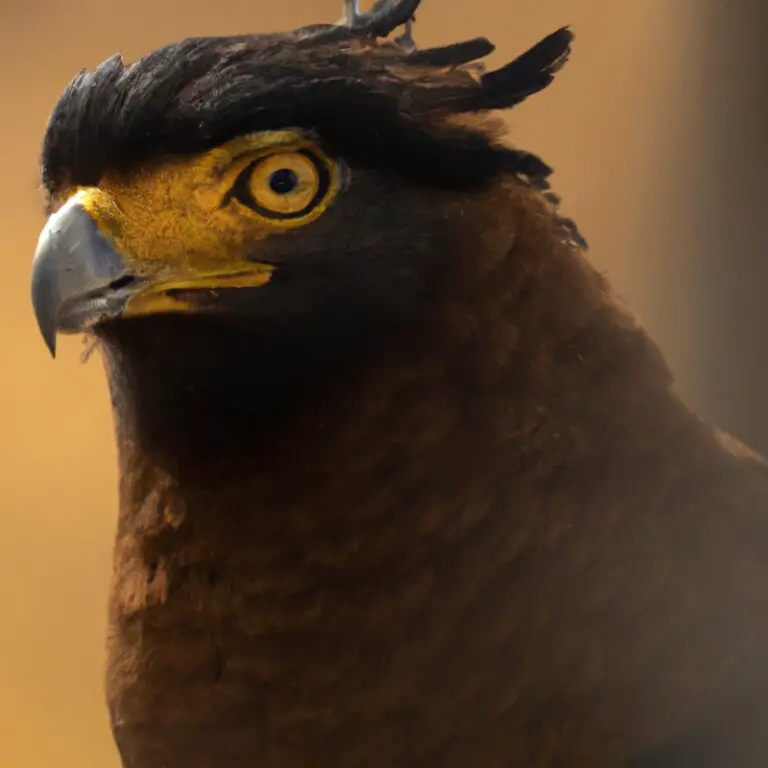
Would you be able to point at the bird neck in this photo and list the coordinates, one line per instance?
(309, 587)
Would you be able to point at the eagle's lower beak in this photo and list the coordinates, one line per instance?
(78, 277)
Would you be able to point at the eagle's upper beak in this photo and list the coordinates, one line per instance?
(78, 277)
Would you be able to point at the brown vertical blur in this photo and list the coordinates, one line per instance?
(657, 154)
(729, 211)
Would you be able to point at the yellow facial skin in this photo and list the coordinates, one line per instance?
(189, 223)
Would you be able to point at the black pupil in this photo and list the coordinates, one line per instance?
(283, 181)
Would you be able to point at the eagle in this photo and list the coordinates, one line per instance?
(402, 482)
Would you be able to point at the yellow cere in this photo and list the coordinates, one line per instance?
(189, 222)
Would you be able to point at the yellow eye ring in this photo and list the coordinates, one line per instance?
(283, 185)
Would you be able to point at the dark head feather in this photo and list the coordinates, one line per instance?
(374, 101)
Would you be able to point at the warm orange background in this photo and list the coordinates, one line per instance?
(627, 127)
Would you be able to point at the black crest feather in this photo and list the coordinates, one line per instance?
(526, 75)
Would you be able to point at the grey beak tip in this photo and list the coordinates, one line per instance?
(45, 304)
(50, 342)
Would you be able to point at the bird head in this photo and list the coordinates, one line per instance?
(305, 177)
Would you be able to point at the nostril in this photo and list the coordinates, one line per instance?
(122, 282)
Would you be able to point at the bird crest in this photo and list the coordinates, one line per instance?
(503, 88)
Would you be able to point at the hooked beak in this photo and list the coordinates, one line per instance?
(78, 277)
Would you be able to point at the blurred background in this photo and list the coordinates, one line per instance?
(657, 131)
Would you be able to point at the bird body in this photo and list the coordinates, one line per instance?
(401, 481)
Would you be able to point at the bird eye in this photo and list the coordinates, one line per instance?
(283, 185)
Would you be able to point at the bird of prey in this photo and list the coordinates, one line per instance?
(402, 484)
